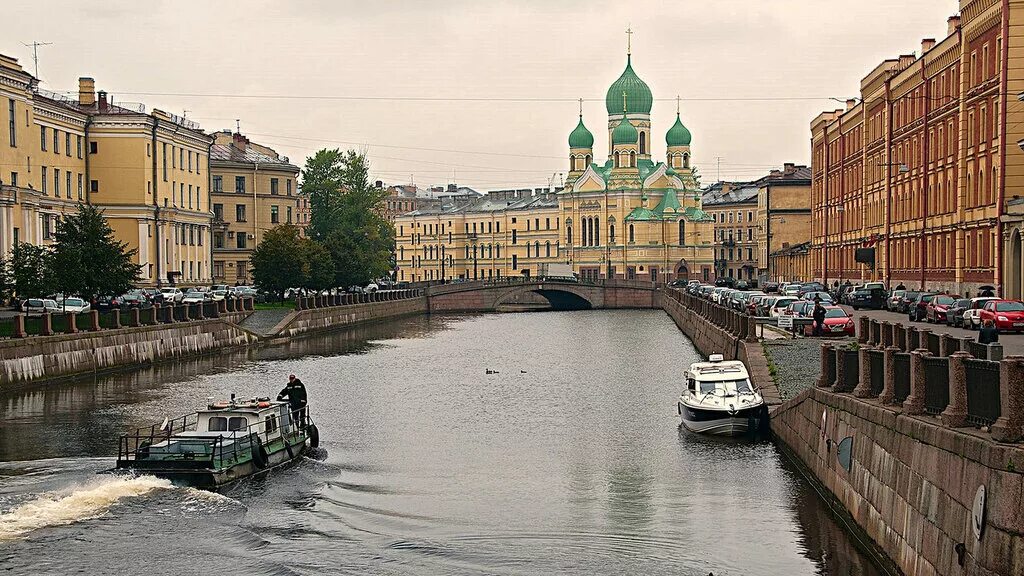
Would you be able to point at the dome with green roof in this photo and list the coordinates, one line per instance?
(581, 137)
(625, 133)
(678, 135)
(638, 95)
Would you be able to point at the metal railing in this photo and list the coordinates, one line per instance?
(877, 361)
(936, 384)
(983, 400)
(901, 384)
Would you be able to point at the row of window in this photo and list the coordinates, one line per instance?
(738, 235)
(739, 216)
(240, 185)
(43, 138)
(240, 213)
(178, 158)
(44, 180)
(738, 252)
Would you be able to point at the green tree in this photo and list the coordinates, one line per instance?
(346, 216)
(27, 270)
(318, 266)
(87, 260)
(278, 262)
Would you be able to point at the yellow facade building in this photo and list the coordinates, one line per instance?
(783, 216)
(629, 218)
(253, 189)
(149, 172)
(732, 206)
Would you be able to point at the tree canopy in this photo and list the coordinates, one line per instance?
(283, 259)
(87, 260)
(346, 216)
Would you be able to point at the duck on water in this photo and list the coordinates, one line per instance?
(228, 441)
(720, 399)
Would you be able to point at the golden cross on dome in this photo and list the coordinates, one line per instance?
(629, 40)
(677, 104)
(581, 107)
(623, 101)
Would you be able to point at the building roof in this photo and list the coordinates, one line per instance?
(725, 193)
(495, 201)
(231, 153)
(638, 94)
(580, 137)
(678, 135)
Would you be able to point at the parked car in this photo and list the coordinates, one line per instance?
(825, 297)
(194, 296)
(74, 305)
(972, 316)
(837, 322)
(892, 302)
(873, 298)
(371, 288)
(955, 312)
(918, 309)
(219, 287)
(770, 287)
(909, 296)
(812, 287)
(1008, 315)
(108, 303)
(172, 295)
(936, 310)
(780, 304)
(791, 290)
(135, 299)
(846, 294)
(154, 295)
(39, 306)
(218, 295)
(764, 305)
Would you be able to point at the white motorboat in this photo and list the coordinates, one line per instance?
(720, 399)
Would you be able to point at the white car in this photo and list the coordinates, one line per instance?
(780, 305)
(371, 288)
(74, 305)
(972, 316)
(218, 295)
(194, 297)
(173, 295)
(40, 306)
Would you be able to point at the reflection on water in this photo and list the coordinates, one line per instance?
(567, 458)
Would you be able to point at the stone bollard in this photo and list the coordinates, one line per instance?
(156, 312)
(47, 329)
(1009, 427)
(863, 388)
(840, 383)
(18, 331)
(222, 306)
(955, 414)
(914, 404)
(888, 394)
(185, 316)
(72, 322)
(946, 343)
(886, 336)
(995, 352)
(751, 329)
(94, 320)
(136, 318)
(827, 357)
(200, 311)
(298, 303)
(863, 330)
(117, 318)
(908, 342)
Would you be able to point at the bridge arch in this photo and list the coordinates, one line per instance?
(559, 296)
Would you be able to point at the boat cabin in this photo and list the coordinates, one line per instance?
(261, 416)
(728, 377)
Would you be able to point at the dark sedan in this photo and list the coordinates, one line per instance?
(903, 305)
(874, 299)
(955, 312)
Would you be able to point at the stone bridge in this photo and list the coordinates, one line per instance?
(540, 294)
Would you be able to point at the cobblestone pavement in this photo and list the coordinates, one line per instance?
(796, 362)
(263, 321)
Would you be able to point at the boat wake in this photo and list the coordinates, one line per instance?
(74, 504)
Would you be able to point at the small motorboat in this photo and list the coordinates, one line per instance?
(228, 441)
(720, 399)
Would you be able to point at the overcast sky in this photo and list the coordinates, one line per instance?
(720, 56)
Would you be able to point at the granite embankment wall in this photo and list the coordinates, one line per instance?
(43, 358)
(912, 483)
(332, 317)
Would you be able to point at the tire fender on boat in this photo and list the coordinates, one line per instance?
(259, 453)
(313, 433)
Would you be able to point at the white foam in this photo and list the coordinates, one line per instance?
(74, 504)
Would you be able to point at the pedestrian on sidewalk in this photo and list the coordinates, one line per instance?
(818, 316)
(988, 334)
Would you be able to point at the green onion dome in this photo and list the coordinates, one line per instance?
(625, 133)
(638, 95)
(678, 135)
(581, 137)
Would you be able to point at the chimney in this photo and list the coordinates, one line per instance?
(850, 103)
(239, 142)
(380, 184)
(453, 188)
(86, 91)
(726, 188)
(952, 25)
(102, 105)
(926, 45)
(789, 168)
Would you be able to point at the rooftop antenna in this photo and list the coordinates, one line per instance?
(238, 125)
(719, 159)
(35, 53)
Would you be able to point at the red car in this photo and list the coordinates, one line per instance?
(837, 323)
(935, 311)
(1008, 315)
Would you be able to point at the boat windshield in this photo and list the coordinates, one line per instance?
(728, 386)
(232, 424)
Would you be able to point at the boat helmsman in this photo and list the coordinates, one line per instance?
(295, 393)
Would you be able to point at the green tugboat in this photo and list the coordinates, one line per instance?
(226, 442)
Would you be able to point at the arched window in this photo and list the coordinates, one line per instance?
(527, 249)
(632, 159)
(401, 252)
(547, 249)
(682, 232)
(536, 249)
(632, 238)
(587, 234)
(686, 160)
(618, 161)
(643, 142)
(568, 235)
(611, 233)
(597, 232)
(467, 251)
(497, 250)
(589, 160)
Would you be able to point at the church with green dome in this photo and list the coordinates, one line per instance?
(632, 216)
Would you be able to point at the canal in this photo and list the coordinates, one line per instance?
(569, 459)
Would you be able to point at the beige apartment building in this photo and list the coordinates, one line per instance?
(783, 215)
(253, 190)
(732, 206)
(148, 171)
